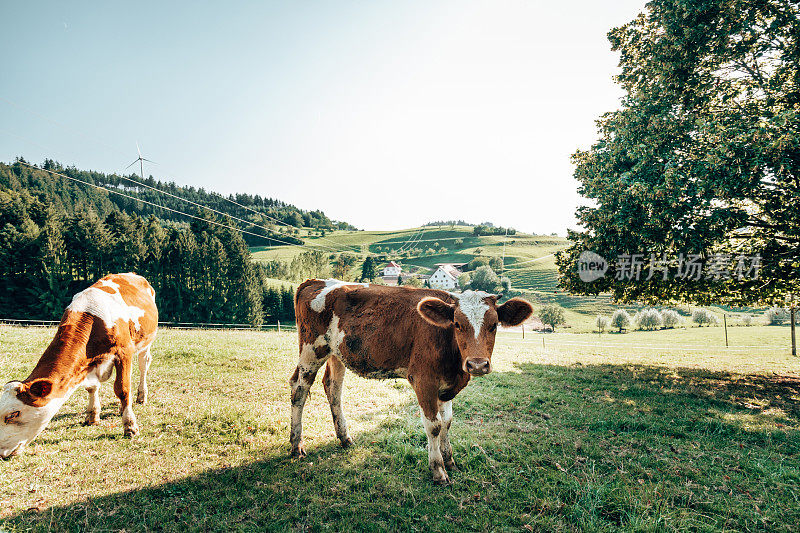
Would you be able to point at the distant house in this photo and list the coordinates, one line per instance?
(392, 269)
(445, 277)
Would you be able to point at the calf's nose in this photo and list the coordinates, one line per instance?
(478, 367)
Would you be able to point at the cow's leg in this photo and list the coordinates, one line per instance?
(310, 362)
(93, 411)
(122, 388)
(144, 365)
(446, 413)
(333, 381)
(432, 420)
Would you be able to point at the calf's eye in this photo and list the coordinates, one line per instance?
(458, 326)
(10, 417)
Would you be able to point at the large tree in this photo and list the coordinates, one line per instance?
(703, 157)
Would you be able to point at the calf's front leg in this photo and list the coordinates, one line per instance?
(432, 421)
(93, 411)
(446, 413)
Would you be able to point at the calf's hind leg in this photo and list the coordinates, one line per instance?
(301, 382)
(122, 388)
(333, 381)
(144, 365)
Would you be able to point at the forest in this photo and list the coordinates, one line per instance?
(57, 237)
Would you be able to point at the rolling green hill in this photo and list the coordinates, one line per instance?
(529, 260)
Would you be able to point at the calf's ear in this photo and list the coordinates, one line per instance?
(436, 312)
(514, 312)
(38, 388)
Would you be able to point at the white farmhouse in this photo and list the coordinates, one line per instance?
(392, 269)
(445, 277)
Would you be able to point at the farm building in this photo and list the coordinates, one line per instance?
(392, 269)
(445, 277)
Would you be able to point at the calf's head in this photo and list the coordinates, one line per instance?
(25, 410)
(473, 319)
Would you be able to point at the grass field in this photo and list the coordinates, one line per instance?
(575, 436)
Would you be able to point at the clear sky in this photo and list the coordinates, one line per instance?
(386, 114)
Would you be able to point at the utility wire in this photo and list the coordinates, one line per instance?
(273, 218)
(161, 206)
(139, 183)
(410, 242)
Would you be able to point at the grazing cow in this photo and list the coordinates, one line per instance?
(435, 339)
(103, 328)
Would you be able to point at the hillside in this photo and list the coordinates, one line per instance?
(528, 258)
(529, 261)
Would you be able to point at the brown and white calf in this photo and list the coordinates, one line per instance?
(102, 330)
(435, 339)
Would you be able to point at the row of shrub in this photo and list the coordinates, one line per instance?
(650, 319)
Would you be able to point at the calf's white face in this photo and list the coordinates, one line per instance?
(474, 319)
(21, 423)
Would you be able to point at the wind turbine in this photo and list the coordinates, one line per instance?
(140, 160)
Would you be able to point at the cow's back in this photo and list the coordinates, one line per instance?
(373, 329)
(125, 303)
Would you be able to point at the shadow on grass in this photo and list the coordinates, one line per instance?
(599, 447)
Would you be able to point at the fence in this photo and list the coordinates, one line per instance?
(169, 325)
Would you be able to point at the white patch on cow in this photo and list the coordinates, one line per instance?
(22, 429)
(474, 307)
(318, 303)
(152, 293)
(334, 337)
(107, 307)
(109, 283)
(99, 374)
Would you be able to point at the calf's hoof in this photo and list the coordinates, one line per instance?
(131, 430)
(451, 465)
(439, 473)
(441, 479)
(141, 397)
(298, 451)
(347, 442)
(91, 419)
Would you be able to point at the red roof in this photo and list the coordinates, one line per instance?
(392, 264)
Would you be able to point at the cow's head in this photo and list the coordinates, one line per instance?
(473, 319)
(25, 410)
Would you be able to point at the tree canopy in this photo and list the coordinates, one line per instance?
(703, 157)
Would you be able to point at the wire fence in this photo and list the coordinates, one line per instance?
(541, 340)
(278, 326)
(550, 342)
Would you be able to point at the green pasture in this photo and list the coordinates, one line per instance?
(659, 431)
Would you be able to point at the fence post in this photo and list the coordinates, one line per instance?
(792, 315)
(279, 326)
(725, 325)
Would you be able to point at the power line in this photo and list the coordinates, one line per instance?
(517, 265)
(279, 221)
(206, 207)
(410, 242)
(161, 206)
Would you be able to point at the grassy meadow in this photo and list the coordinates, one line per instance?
(660, 431)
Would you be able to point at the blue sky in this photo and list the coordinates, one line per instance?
(384, 114)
